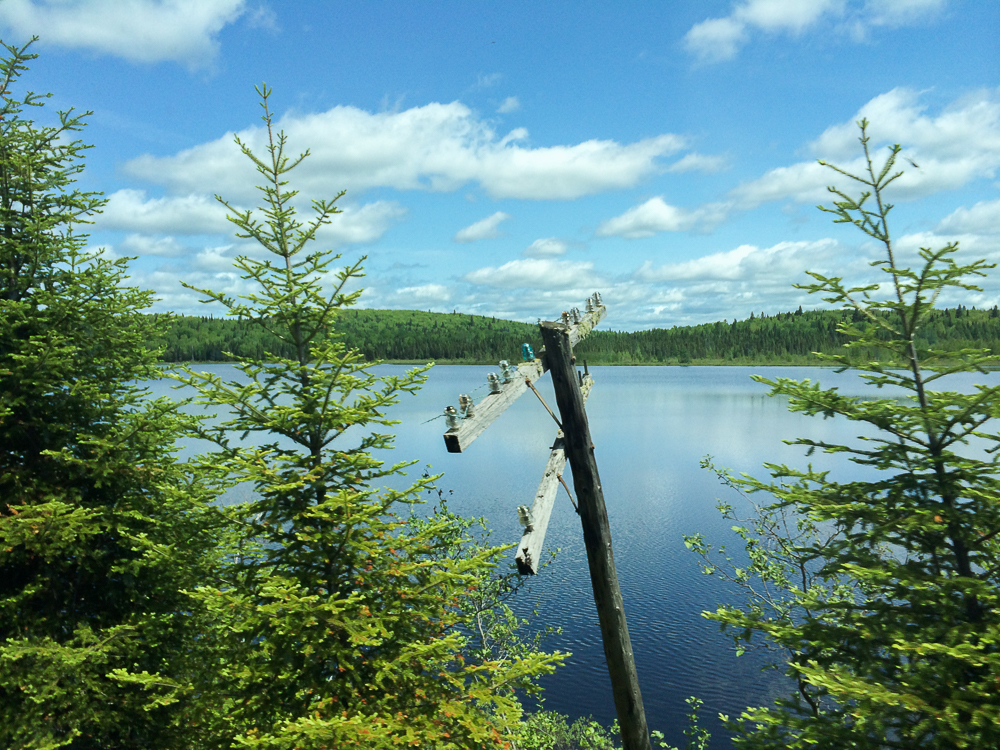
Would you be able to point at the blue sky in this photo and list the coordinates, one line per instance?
(510, 158)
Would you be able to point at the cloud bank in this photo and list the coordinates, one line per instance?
(537, 273)
(953, 148)
(143, 31)
(719, 39)
(435, 147)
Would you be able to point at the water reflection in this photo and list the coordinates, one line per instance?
(651, 427)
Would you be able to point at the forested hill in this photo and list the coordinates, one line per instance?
(415, 336)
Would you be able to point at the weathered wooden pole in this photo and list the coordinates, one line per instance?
(597, 537)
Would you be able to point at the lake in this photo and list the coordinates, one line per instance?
(651, 427)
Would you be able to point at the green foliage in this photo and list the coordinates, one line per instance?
(342, 621)
(698, 736)
(96, 540)
(883, 593)
(547, 730)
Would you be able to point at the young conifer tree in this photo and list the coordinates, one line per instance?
(97, 535)
(342, 620)
(884, 592)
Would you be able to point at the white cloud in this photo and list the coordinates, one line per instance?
(510, 104)
(716, 40)
(982, 218)
(362, 224)
(959, 145)
(781, 262)
(484, 229)
(547, 247)
(744, 279)
(143, 245)
(424, 294)
(144, 31)
(192, 214)
(719, 39)
(105, 251)
(805, 182)
(130, 210)
(785, 15)
(699, 163)
(656, 215)
(567, 172)
(971, 246)
(901, 12)
(971, 122)
(437, 147)
(217, 260)
(538, 273)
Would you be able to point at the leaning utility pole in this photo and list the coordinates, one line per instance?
(596, 536)
(572, 443)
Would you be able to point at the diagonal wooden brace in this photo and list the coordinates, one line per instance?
(529, 549)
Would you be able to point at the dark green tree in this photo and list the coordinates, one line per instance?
(342, 617)
(97, 535)
(883, 593)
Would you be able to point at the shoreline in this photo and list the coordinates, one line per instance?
(493, 363)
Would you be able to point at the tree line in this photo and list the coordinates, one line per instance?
(417, 336)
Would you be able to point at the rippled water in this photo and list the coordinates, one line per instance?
(651, 427)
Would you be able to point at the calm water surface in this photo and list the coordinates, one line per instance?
(651, 427)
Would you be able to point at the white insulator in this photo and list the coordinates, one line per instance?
(451, 415)
(575, 312)
(597, 298)
(505, 374)
(494, 383)
(465, 405)
(524, 517)
(590, 304)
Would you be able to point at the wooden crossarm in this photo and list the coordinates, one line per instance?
(578, 331)
(490, 407)
(493, 405)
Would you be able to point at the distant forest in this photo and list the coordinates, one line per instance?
(415, 336)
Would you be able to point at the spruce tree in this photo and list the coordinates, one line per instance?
(98, 536)
(342, 616)
(883, 593)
